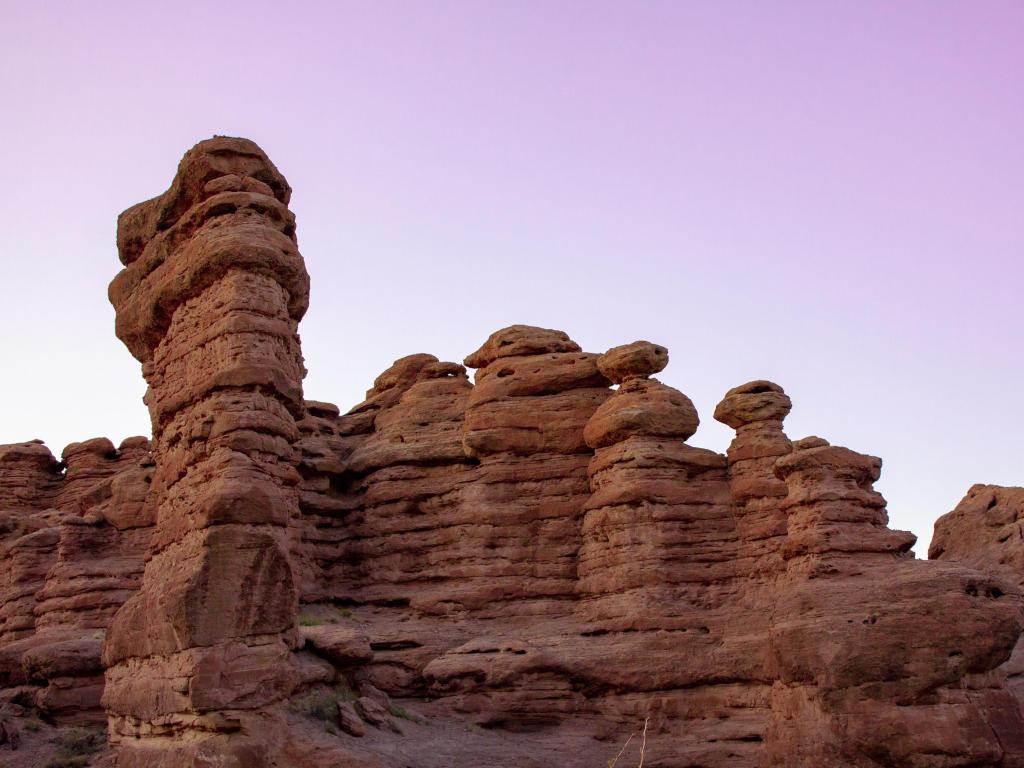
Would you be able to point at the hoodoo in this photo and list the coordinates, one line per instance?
(516, 568)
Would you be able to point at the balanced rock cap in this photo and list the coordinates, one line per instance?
(633, 361)
(519, 341)
(642, 408)
(752, 402)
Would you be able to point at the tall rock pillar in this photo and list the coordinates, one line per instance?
(209, 301)
(756, 411)
(658, 539)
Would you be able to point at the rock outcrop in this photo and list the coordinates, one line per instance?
(209, 302)
(521, 567)
(986, 532)
(74, 538)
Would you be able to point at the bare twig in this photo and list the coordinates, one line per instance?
(643, 744)
(613, 762)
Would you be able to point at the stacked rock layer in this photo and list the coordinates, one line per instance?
(521, 567)
(209, 302)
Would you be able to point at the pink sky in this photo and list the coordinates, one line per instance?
(829, 195)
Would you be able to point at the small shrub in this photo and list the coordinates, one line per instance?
(309, 621)
(401, 712)
(345, 693)
(75, 747)
(323, 704)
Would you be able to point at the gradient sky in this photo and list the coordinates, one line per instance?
(828, 195)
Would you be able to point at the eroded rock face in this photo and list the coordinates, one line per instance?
(659, 539)
(209, 301)
(74, 537)
(861, 639)
(515, 567)
(986, 532)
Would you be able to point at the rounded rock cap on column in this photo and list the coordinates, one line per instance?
(642, 408)
(98, 446)
(197, 178)
(632, 361)
(519, 341)
(752, 402)
(404, 371)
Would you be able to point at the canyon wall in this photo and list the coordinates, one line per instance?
(526, 566)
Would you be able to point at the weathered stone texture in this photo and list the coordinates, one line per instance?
(514, 567)
(74, 537)
(986, 532)
(209, 302)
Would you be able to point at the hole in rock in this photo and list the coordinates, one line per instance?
(395, 645)
(222, 209)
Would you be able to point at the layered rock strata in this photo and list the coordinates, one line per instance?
(866, 656)
(518, 567)
(986, 531)
(659, 536)
(209, 301)
(74, 537)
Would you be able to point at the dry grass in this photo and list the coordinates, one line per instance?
(643, 746)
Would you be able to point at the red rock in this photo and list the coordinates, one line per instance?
(531, 552)
(72, 570)
(373, 712)
(633, 361)
(644, 408)
(343, 646)
(658, 535)
(756, 411)
(209, 301)
(10, 733)
(520, 341)
(29, 476)
(349, 721)
(984, 532)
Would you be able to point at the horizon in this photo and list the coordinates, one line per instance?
(826, 198)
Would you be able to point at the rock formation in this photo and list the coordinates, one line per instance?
(209, 302)
(73, 537)
(986, 532)
(521, 569)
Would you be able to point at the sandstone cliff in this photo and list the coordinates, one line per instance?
(516, 567)
(986, 531)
